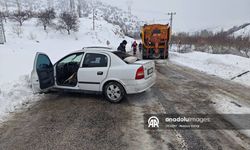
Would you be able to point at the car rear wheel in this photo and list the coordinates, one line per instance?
(114, 92)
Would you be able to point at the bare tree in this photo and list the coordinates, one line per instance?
(129, 4)
(28, 5)
(6, 5)
(68, 21)
(79, 8)
(46, 17)
(83, 8)
(72, 6)
(18, 5)
(244, 46)
(4, 15)
(20, 16)
(50, 4)
(247, 52)
(16, 29)
(218, 43)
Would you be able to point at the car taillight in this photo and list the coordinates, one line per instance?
(139, 73)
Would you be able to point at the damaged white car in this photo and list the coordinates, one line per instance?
(96, 69)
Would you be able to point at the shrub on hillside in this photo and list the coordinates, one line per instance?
(20, 16)
(46, 17)
(68, 21)
(218, 42)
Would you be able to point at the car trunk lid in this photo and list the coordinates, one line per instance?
(149, 67)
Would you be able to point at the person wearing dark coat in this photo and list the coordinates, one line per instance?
(122, 46)
(140, 47)
(134, 46)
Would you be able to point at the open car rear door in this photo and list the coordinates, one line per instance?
(42, 75)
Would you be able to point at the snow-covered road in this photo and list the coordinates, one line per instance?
(78, 121)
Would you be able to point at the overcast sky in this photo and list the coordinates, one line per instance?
(191, 15)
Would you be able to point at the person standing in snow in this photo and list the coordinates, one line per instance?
(122, 46)
(179, 46)
(108, 43)
(140, 47)
(134, 46)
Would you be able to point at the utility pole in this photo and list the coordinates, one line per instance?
(93, 18)
(6, 6)
(129, 4)
(171, 14)
(2, 32)
(72, 6)
(18, 5)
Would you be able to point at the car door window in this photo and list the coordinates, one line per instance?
(95, 60)
(43, 62)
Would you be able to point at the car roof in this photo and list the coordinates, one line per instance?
(95, 49)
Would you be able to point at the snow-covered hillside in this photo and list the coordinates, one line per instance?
(245, 32)
(54, 43)
(17, 55)
(239, 30)
(129, 23)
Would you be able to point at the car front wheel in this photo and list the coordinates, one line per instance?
(114, 92)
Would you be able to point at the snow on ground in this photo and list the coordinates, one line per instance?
(14, 95)
(17, 55)
(233, 108)
(228, 105)
(224, 66)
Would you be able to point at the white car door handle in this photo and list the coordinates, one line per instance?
(99, 73)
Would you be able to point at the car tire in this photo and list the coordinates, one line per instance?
(114, 92)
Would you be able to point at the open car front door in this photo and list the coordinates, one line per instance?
(42, 75)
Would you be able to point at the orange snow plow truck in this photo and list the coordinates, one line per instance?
(155, 41)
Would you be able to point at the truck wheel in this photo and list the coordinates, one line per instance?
(114, 92)
(143, 54)
(162, 56)
(167, 56)
(157, 56)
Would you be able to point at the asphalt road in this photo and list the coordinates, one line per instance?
(78, 121)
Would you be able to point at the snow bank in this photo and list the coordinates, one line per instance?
(224, 66)
(14, 95)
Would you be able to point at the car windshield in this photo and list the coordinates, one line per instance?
(127, 58)
(156, 31)
(73, 58)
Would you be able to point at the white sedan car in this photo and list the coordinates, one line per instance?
(97, 69)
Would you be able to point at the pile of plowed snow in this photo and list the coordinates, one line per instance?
(224, 66)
